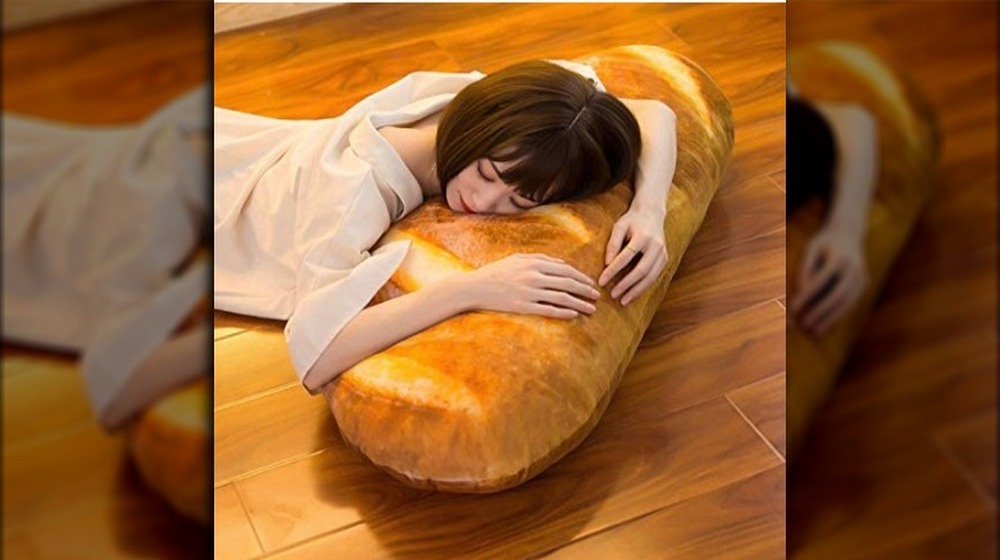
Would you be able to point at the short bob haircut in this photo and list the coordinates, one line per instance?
(569, 139)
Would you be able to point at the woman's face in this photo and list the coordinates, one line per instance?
(478, 189)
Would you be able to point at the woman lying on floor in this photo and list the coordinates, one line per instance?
(299, 203)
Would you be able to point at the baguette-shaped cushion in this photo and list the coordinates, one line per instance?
(485, 401)
(169, 443)
(908, 147)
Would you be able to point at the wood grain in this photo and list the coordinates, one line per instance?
(656, 463)
(236, 538)
(763, 405)
(745, 510)
(902, 462)
(719, 282)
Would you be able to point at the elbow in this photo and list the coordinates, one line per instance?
(317, 378)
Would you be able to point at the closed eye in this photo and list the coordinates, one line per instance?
(479, 168)
(531, 204)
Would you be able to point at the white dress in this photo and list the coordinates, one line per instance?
(299, 204)
(99, 225)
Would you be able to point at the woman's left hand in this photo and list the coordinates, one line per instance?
(637, 235)
(832, 277)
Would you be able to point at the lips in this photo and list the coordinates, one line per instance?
(465, 206)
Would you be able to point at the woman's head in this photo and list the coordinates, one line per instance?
(530, 134)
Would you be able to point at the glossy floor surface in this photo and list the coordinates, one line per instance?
(901, 463)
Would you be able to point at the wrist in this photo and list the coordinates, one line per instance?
(850, 228)
(457, 293)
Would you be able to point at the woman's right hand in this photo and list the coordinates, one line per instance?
(531, 284)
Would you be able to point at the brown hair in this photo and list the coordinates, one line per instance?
(569, 139)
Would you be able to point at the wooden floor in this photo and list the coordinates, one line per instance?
(69, 489)
(688, 461)
(902, 461)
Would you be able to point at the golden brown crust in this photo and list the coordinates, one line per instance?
(486, 401)
(909, 142)
(170, 445)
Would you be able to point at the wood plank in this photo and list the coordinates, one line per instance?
(742, 520)
(738, 213)
(883, 503)
(705, 362)
(714, 284)
(19, 547)
(251, 362)
(333, 489)
(235, 538)
(229, 17)
(31, 386)
(616, 475)
(975, 540)
(288, 505)
(276, 427)
(490, 47)
(37, 481)
(319, 83)
(972, 443)
(779, 179)
(138, 528)
(110, 67)
(763, 404)
(763, 151)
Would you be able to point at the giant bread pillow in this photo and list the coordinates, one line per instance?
(908, 146)
(485, 401)
(170, 441)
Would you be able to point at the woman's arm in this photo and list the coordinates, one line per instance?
(856, 136)
(642, 225)
(658, 159)
(180, 359)
(528, 284)
(833, 273)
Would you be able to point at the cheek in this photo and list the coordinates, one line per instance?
(451, 191)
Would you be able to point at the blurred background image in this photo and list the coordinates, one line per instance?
(892, 285)
(106, 262)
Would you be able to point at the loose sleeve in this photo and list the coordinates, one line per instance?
(300, 204)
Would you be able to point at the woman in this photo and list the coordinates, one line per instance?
(101, 230)
(832, 154)
(300, 203)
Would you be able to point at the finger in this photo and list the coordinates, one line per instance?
(636, 274)
(565, 270)
(807, 267)
(550, 311)
(824, 323)
(562, 299)
(618, 264)
(832, 305)
(645, 283)
(545, 257)
(814, 286)
(571, 285)
(614, 243)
